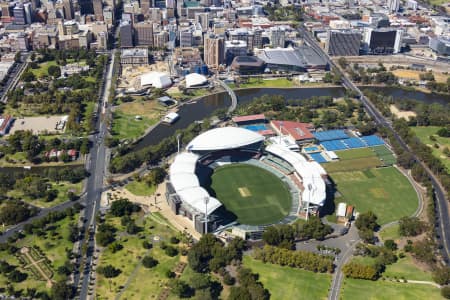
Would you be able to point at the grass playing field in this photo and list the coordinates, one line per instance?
(254, 195)
(384, 191)
(383, 290)
(290, 283)
(354, 159)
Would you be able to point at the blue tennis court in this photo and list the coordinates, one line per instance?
(318, 157)
(354, 142)
(256, 127)
(330, 135)
(372, 140)
(334, 145)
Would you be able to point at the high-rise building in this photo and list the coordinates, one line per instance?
(203, 19)
(160, 39)
(19, 14)
(68, 9)
(98, 9)
(126, 34)
(234, 48)
(28, 12)
(393, 5)
(154, 15)
(86, 7)
(277, 37)
(5, 9)
(214, 52)
(143, 33)
(441, 45)
(343, 43)
(383, 41)
(145, 5)
(186, 37)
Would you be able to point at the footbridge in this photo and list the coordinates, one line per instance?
(231, 93)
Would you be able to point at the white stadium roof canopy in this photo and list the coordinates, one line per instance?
(186, 184)
(224, 138)
(310, 172)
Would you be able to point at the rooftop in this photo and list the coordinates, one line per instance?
(258, 117)
(298, 131)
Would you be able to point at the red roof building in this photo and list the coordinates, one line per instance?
(300, 132)
(5, 124)
(249, 119)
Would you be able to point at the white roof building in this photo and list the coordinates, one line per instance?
(195, 79)
(156, 79)
(224, 138)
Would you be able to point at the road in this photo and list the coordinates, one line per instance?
(13, 77)
(443, 226)
(94, 186)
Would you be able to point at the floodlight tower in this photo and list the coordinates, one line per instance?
(206, 200)
(178, 142)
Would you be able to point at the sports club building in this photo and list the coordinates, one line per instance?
(186, 196)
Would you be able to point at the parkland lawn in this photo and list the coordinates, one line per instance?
(260, 83)
(424, 132)
(144, 283)
(53, 242)
(140, 188)
(356, 289)
(127, 126)
(253, 194)
(385, 191)
(289, 283)
(354, 159)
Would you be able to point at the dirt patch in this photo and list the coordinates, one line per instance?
(244, 192)
(378, 193)
(415, 75)
(406, 114)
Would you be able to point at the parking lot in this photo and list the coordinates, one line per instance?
(37, 124)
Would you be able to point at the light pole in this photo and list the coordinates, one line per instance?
(307, 206)
(206, 214)
(178, 142)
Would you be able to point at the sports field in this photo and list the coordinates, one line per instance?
(385, 191)
(383, 290)
(354, 159)
(290, 283)
(253, 194)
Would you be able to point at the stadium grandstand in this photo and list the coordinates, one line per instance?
(304, 181)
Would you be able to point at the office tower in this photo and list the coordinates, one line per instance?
(343, 43)
(277, 37)
(19, 15)
(203, 19)
(393, 5)
(143, 34)
(257, 38)
(68, 9)
(186, 37)
(98, 9)
(86, 7)
(28, 12)
(214, 52)
(126, 34)
(160, 39)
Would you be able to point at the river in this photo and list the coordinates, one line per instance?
(205, 106)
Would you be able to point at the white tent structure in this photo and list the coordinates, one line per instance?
(310, 172)
(186, 184)
(194, 79)
(156, 79)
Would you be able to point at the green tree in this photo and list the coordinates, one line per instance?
(108, 271)
(54, 71)
(149, 262)
(62, 291)
(367, 220)
(441, 275)
(445, 292)
(391, 245)
(28, 76)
